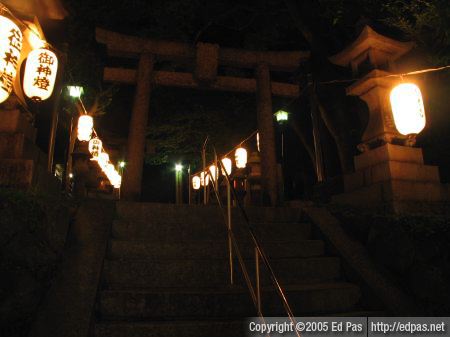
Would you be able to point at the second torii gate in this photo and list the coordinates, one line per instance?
(206, 58)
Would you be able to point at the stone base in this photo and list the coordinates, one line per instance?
(23, 165)
(14, 121)
(392, 178)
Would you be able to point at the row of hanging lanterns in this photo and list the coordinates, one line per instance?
(85, 130)
(213, 172)
(41, 65)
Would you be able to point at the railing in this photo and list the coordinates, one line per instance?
(233, 246)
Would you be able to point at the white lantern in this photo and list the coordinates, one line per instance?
(40, 74)
(196, 182)
(10, 47)
(241, 157)
(103, 160)
(214, 172)
(408, 109)
(227, 164)
(85, 128)
(95, 147)
(204, 179)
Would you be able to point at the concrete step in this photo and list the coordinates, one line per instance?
(119, 249)
(184, 273)
(231, 302)
(206, 230)
(226, 328)
(170, 213)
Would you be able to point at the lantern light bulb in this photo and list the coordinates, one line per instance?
(85, 128)
(204, 179)
(227, 164)
(214, 172)
(241, 157)
(10, 47)
(196, 183)
(408, 109)
(40, 74)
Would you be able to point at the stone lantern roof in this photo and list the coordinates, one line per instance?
(377, 48)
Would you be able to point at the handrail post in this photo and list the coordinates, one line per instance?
(258, 284)
(230, 245)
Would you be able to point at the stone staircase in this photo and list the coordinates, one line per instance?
(166, 272)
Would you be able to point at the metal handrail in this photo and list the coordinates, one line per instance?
(259, 252)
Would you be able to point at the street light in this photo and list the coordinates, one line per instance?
(75, 91)
(178, 183)
(281, 116)
(121, 164)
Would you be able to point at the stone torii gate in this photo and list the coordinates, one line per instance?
(206, 59)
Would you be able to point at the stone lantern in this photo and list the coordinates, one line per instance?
(389, 173)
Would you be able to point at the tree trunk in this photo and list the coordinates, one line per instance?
(322, 68)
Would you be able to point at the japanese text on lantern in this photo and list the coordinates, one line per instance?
(40, 74)
(10, 48)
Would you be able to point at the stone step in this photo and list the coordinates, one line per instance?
(119, 249)
(207, 231)
(171, 213)
(226, 328)
(184, 273)
(230, 302)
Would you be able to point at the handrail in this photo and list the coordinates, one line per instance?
(259, 252)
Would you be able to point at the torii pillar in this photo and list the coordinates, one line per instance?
(267, 133)
(132, 177)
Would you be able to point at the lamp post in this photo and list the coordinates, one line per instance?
(178, 183)
(282, 117)
(75, 92)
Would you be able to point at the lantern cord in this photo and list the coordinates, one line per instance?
(415, 72)
(234, 148)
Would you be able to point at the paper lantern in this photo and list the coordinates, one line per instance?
(227, 164)
(241, 157)
(408, 109)
(257, 142)
(10, 47)
(103, 160)
(95, 147)
(196, 182)
(40, 74)
(85, 128)
(204, 179)
(214, 172)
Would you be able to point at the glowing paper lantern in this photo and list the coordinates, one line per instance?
(85, 128)
(103, 160)
(196, 182)
(204, 179)
(408, 109)
(257, 142)
(214, 172)
(227, 164)
(10, 47)
(95, 147)
(40, 74)
(241, 157)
